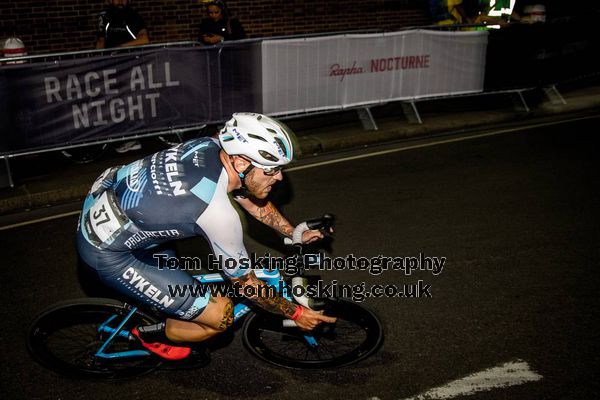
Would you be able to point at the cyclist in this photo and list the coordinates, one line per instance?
(182, 192)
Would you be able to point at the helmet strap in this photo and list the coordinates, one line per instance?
(242, 192)
(243, 174)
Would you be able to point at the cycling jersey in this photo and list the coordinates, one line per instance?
(173, 194)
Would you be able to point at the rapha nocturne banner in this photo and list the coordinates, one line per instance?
(320, 73)
(52, 104)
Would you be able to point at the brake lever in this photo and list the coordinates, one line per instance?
(326, 221)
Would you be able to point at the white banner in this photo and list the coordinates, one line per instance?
(332, 72)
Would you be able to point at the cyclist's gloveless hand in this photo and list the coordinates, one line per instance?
(310, 319)
(313, 235)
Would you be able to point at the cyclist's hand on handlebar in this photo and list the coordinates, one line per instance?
(312, 230)
(313, 235)
(310, 319)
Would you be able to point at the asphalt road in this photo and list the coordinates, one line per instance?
(515, 215)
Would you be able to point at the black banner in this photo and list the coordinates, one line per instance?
(66, 102)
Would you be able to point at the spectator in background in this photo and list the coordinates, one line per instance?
(220, 26)
(14, 47)
(462, 12)
(529, 12)
(477, 12)
(120, 26)
(447, 12)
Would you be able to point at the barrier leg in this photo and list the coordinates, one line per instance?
(5, 175)
(519, 102)
(411, 112)
(366, 118)
(554, 95)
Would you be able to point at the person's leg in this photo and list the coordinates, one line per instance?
(193, 315)
(216, 318)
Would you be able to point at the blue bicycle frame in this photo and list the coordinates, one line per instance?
(271, 277)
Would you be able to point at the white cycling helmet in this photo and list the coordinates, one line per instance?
(265, 141)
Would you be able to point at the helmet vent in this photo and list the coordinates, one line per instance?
(280, 143)
(253, 136)
(235, 122)
(268, 156)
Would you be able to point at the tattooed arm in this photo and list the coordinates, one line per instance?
(276, 304)
(268, 214)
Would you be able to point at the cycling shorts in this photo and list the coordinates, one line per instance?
(137, 275)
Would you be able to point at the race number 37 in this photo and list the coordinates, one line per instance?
(103, 219)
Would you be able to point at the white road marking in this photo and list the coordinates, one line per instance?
(508, 374)
(35, 221)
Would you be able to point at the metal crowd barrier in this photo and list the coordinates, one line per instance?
(364, 113)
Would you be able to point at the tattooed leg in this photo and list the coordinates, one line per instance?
(216, 317)
(227, 319)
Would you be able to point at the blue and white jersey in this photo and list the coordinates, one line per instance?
(173, 194)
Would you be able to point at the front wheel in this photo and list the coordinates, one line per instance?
(355, 336)
(66, 337)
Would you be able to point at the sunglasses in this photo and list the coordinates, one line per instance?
(268, 171)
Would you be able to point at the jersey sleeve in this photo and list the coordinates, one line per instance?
(221, 226)
(103, 20)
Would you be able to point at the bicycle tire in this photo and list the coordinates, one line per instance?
(74, 325)
(355, 336)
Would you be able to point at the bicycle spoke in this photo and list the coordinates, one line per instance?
(67, 339)
(356, 335)
(282, 334)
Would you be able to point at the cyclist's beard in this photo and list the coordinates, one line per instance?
(259, 187)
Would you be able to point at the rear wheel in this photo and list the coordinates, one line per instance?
(356, 335)
(65, 338)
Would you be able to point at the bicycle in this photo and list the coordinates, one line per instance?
(90, 337)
